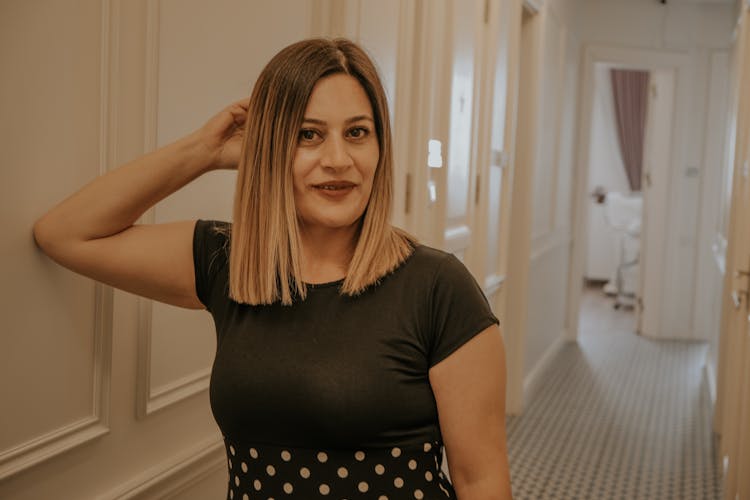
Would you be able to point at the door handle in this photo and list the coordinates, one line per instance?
(737, 298)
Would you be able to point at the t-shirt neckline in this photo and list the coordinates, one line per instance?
(325, 285)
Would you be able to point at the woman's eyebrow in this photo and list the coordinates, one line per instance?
(347, 121)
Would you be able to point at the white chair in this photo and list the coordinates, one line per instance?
(623, 215)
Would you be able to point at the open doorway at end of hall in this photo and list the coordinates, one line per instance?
(627, 178)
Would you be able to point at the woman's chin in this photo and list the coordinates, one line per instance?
(331, 223)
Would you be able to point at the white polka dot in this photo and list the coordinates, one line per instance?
(322, 457)
(379, 470)
(427, 447)
(304, 472)
(418, 494)
(231, 493)
(324, 489)
(237, 480)
(382, 497)
(360, 455)
(286, 456)
(257, 485)
(245, 497)
(396, 452)
(231, 449)
(342, 472)
(413, 464)
(230, 463)
(244, 467)
(398, 482)
(288, 488)
(363, 486)
(253, 453)
(428, 475)
(270, 470)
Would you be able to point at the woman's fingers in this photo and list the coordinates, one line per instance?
(243, 103)
(239, 111)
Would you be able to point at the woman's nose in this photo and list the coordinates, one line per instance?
(335, 153)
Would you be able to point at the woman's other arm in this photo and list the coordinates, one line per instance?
(469, 387)
(92, 232)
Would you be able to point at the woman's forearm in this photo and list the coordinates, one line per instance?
(488, 481)
(114, 201)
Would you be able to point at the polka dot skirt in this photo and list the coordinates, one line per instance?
(274, 472)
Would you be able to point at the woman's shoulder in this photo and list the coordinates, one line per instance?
(214, 230)
(211, 236)
(429, 255)
(427, 260)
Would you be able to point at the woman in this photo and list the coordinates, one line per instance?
(348, 356)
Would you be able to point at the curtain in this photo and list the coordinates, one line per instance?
(630, 90)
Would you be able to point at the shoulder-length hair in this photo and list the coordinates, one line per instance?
(264, 260)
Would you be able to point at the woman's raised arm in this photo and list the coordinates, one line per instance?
(92, 232)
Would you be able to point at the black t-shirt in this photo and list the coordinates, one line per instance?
(334, 371)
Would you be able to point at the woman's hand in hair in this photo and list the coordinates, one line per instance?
(222, 135)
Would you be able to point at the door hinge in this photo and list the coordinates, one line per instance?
(477, 189)
(486, 11)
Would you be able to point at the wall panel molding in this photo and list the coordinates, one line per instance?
(168, 479)
(71, 435)
(552, 242)
(152, 399)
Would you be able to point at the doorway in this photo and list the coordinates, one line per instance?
(642, 288)
(627, 202)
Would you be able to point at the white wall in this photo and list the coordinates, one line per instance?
(703, 32)
(552, 184)
(83, 84)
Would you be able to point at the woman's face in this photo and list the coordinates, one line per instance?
(337, 154)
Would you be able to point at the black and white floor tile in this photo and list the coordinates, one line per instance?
(616, 417)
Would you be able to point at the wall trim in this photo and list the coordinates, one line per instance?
(152, 399)
(172, 477)
(456, 238)
(710, 373)
(719, 250)
(532, 380)
(547, 245)
(493, 283)
(71, 435)
(533, 6)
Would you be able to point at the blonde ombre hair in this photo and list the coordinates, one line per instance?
(264, 259)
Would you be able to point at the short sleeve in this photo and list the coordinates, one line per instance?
(459, 308)
(210, 251)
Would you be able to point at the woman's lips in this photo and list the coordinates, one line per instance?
(334, 189)
(332, 185)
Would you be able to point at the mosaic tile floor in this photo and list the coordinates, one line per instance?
(616, 417)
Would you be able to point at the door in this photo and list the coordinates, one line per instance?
(656, 158)
(733, 405)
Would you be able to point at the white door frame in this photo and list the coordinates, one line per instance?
(636, 58)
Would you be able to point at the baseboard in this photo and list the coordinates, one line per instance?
(531, 380)
(168, 479)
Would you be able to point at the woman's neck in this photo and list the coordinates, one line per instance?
(326, 253)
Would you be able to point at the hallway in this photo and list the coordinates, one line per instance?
(617, 416)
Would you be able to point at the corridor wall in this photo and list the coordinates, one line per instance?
(103, 392)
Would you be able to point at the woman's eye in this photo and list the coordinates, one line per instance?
(307, 135)
(358, 132)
